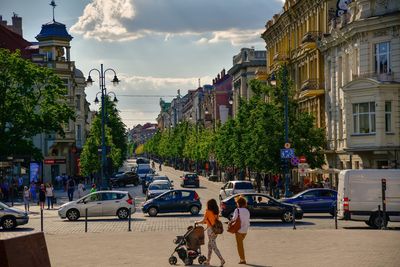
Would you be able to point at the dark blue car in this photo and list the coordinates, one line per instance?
(173, 201)
(316, 200)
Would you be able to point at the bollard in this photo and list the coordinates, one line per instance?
(41, 220)
(294, 218)
(129, 220)
(86, 220)
(380, 216)
(335, 214)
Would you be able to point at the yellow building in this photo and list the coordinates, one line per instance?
(291, 38)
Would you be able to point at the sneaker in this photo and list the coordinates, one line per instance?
(242, 262)
(222, 263)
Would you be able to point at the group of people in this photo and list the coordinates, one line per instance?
(210, 218)
(44, 191)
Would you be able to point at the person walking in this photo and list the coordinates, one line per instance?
(243, 213)
(70, 188)
(26, 195)
(49, 195)
(42, 196)
(210, 217)
(81, 189)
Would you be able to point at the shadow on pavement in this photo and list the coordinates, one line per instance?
(328, 216)
(80, 220)
(370, 229)
(167, 215)
(278, 224)
(18, 230)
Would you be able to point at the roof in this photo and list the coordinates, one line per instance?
(54, 30)
(12, 41)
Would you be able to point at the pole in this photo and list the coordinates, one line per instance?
(285, 88)
(384, 203)
(129, 220)
(41, 219)
(86, 220)
(335, 214)
(294, 218)
(103, 135)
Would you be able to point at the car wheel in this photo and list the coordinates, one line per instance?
(123, 213)
(194, 210)
(153, 212)
(73, 214)
(8, 223)
(287, 217)
(376, 221)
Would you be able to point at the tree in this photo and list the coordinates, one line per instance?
(32, 101)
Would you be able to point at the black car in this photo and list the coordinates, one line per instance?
(173, 201)
(190, 179)
(142, 161)
(148, 179)
(262, 206)
(124, 179)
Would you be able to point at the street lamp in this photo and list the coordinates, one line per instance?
(104, 95)
(272, 81)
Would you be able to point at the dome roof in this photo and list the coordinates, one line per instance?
(54, 30)
(78, 73)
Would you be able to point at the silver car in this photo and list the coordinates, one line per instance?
(11, 217)
(157, 188)
(101, 203)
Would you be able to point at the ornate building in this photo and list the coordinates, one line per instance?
(362, 81)
(291, 38)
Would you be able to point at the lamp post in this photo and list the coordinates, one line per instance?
(104, 95)
(286, 120)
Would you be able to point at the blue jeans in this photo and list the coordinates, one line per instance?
(49, 202)
(70, 194)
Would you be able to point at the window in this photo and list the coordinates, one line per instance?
(382, 58)
(243, 186)
(388, 116)
(78, 102)
(364, 118)
(326, 193)
(78, 132)
(186, 194)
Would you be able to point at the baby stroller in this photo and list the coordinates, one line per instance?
(188, 246)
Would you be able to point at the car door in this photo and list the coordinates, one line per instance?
(309, 201)
(265, 207)
(325, 201)
(228, 189)
(178, 202)
(110, 203)
(165, 202)
(93, 205)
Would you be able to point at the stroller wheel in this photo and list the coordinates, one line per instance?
(188, 261)
(202, 259)
(172, 260)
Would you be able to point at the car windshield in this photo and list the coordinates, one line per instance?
(161, 178)
(191, 176)
(143, 170)
(4, 205)
(243, 186)
(158, 187)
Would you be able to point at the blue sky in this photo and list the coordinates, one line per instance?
(156, 46)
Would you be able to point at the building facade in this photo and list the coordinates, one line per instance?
(362, 70)
(222, 98)
(245, 65)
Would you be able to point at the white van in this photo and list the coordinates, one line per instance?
(360, 193)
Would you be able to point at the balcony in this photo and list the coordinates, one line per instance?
(381, 77)
(280, 57)
(312, 87)
(309, 40)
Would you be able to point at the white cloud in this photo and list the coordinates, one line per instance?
(235, 21)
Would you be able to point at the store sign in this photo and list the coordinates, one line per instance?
(54, 161)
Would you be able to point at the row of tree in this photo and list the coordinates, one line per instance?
(252, 140)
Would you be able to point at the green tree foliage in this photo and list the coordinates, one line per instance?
(115, 139)
(32, 101)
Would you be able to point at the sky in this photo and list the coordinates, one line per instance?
(155, 46)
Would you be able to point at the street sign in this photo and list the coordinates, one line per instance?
(287, 153)
(294, 161)
(287, 145)
(303, 169)
(302, 159)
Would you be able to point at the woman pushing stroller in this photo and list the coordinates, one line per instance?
(210, 218)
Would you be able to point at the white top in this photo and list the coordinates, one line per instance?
(80, 187)
(244, 219)
(49, 191)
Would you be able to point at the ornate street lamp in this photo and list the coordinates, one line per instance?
(104, 95)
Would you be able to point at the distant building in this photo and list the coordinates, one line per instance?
(141, 133)
(221, 98)
(16, 25)
(245, 65)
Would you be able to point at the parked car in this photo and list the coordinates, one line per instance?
(11, 217)
(124, 179)
(147, 180)
(190, 179)
(262, 206)
(142, 161)
(236, 187)
(101, 203)
(173, 201)
(316, 200)
(360, 194)
(163, 178)
(157, 188)
(142, 170)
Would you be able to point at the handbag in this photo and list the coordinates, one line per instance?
(234, 226)
(217, 227)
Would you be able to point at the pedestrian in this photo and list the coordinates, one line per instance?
(42, 196)
(32, 188)
(70, 188)
(159, 166)
(81, 189)
(210, 217)
(244, 215)
(27, 197)
(327, 184)
(93, 190)
(49, 195)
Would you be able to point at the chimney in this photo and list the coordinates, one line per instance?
(17, 24)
